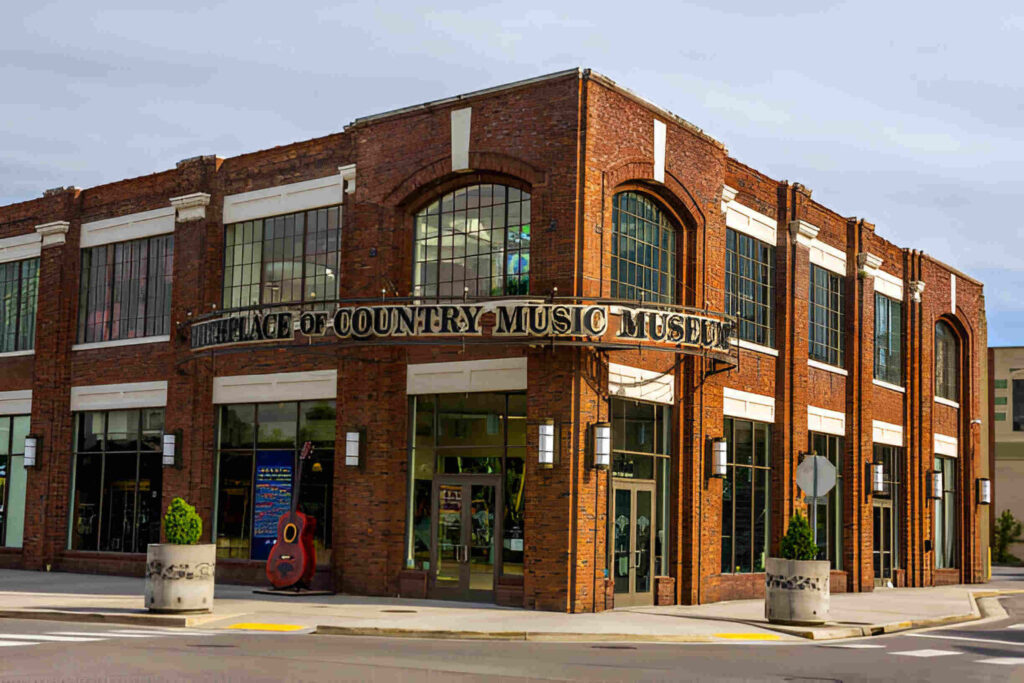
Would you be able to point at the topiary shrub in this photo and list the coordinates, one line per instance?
(798, 543)
(182, 523)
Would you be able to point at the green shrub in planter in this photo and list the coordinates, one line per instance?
(798, 543)
(182, 523)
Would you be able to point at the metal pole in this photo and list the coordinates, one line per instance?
(814, 503)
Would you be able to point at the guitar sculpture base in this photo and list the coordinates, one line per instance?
(292, 591)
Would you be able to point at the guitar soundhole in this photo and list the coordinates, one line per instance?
(290, 533)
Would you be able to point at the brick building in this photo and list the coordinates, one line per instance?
(512, 325)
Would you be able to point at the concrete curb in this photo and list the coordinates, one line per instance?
(539, 636)
(142, 619)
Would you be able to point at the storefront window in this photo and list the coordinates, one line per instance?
(258, 447)
(828, 515)
(887, 511)
(475, 240)
(745, 497)
(19, 284)
(945, 515)
(481, 434)
(126, 290)
(285, 259)
(643, 259)
(117, 480)
(13, 430)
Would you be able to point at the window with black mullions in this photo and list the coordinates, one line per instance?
(888, 340)
(19, 284)
(126, 290)
(828, 517)
(946, 358)
(746, 496)
(117, 479)
(293, 258)
(643, 260)
(826, 317)
(750, 287)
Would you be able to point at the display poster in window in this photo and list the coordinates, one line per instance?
(272, 498)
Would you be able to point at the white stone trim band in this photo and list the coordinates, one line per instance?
(498, 374)
(274, 387)
(625, 381)
(826, 421)
(119, 396)
(131, 227)
(16, 402)
(748, 406)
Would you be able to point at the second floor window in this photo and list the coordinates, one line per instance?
(643, 250)
(126, 290)
(19, 284)
(888, 340)
(475, 240)
(1018, 405)
(945, 362)
(826, 317)
(750, 286)
(284, 259)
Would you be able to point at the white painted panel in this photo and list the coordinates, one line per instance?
(20, 247)
(131, 227)
(497, 374)
(16, 402)
(281, 199)
(886, 433)
(757, 225)
(889, 285)
(460, 138)
(826, 421)
(828, 257)
(278, 386)
(659, 150)
(748, 406)
(119, 396)
(945, 445)
(641, 385)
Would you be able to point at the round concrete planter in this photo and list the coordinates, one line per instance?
(796, 591)
(179, 578)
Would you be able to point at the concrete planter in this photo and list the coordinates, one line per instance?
(796, 591)
(179, 578)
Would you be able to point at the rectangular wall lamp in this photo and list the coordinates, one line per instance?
(984, 491)
(719, 458)
(33, 442)
(546, 443)
(602, 445)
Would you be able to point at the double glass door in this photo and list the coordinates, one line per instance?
(467, 525)
(633, 543)
(884, 546)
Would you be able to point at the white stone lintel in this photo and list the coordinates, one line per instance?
(54, 233)
(803, 232)
(191, 207)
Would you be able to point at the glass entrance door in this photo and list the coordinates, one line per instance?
(632, 543)
(464, 562)
(883, 546)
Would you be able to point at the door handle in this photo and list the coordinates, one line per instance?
(636, 558)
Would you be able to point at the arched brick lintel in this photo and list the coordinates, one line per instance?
(437, 177)
(672, 191)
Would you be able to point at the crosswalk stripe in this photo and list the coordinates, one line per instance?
(927, 653)
(856, 646)
(161, 633)
(107, 634)
(973, 640)
(1015, 626)
(1007, 661)
(14, 643)
(49, 639)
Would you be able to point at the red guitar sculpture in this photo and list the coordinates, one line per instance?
(292, 559)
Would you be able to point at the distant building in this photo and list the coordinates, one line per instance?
(1006, 429)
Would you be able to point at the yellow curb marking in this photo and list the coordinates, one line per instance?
(267, 627)
(748, 636)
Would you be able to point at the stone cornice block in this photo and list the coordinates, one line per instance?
(348, 178)
(868, 264)
(803, 232)
(54, 233)
(916, 289)
(190, 207)
(728, 194)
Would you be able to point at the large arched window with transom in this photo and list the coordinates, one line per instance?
(474, 240)
(945, 361)
(643, 250)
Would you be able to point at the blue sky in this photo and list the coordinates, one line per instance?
(901, 113)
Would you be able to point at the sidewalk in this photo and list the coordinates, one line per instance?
(83, 597)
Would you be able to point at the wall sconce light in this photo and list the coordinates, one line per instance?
(33, 442)
(936, 492)
(719, 458)
(602, 445)
(546, 443)
(353, 447)
(984, 491)
(877, 478)
(170, 446)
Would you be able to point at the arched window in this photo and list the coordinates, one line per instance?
(946, 357)
(475, 239)
(643, 250)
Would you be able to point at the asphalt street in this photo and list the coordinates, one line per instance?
(44, 651)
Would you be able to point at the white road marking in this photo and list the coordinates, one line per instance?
(972, 640)
(106, 634)
(927, 653)
(1013, 626)
(856, 646)
(54, 639)
(160, 633)
(1007, 661)
(14, 643)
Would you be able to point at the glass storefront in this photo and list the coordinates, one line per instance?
(466, 488)
(116, 480)
(257, 447)
(13, 430)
